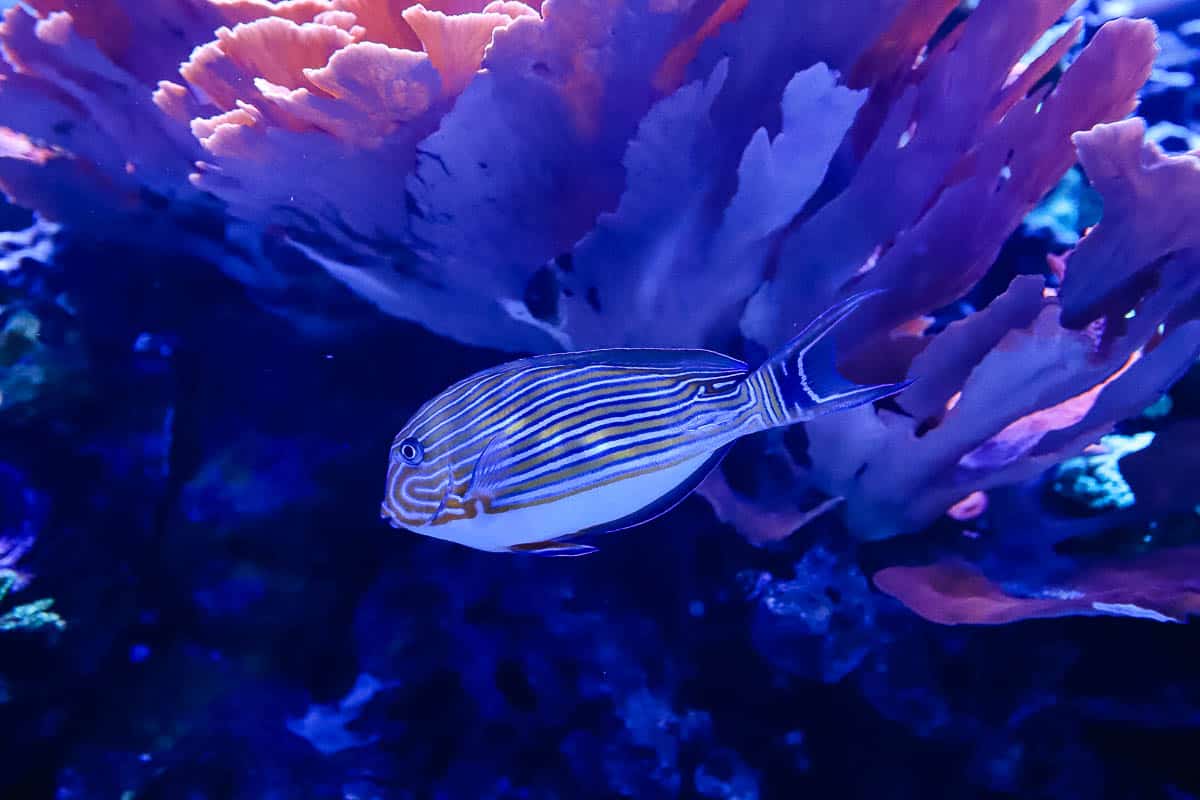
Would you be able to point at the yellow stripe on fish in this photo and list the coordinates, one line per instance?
(530, 455)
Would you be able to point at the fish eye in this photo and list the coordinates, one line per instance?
(411, 451)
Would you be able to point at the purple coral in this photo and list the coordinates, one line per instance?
(1162, 587)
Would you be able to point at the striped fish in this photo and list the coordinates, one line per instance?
(532, 455)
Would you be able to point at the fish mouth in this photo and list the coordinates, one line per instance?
(390, 514)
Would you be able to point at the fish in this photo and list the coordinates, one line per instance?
(541, 454)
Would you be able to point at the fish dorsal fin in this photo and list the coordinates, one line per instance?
(553, 549)
(633, 358)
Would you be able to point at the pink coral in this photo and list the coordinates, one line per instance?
(1162, 586)
(349, 84)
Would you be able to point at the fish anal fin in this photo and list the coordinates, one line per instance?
(553, 548)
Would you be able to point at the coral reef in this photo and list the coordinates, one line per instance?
(249, 237)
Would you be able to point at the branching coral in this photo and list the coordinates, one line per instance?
(94, 149)
(563, 175)
(1115, 340)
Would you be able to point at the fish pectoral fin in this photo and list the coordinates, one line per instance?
(553, 548)
(489, 468)
(710, 422)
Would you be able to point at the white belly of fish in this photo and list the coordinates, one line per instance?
(572, 514)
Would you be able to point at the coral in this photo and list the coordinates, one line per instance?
(1162, 587)
(1112, 342)
(535, 176)
(42, 359)
(1161, 475)
(193, 479)
(1072, 207)
(1094, 480)
(23, 512)
(587, 251)
(28, 616)
(496, 173)
(88, 147)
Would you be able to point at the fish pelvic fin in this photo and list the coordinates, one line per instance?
(801, 380)
(553, 548)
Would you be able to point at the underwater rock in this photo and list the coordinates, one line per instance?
(819, 624)
(42, 360)
(325, 727)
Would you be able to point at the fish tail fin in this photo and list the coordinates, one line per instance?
(801, 381)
